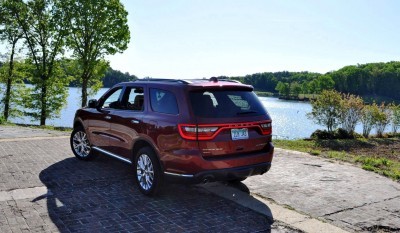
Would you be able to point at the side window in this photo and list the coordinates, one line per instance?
(112, 101)
(163, 101)
(134, 98)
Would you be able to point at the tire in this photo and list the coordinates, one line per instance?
(80, 144)
(147, 171)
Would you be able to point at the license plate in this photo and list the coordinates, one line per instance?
(238, 134)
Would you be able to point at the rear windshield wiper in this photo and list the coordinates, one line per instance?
(247, 112)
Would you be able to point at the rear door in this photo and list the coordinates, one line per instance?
(239, 122)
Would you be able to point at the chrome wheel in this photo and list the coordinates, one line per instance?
(145, 172)
(81, 144)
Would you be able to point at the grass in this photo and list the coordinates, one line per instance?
(47, 127)
(379, 155)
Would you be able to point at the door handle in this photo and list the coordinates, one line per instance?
(135, 121)
(108, 117)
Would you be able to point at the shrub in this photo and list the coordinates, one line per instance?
(337, 134)
(322, 134)
(351, 109)
(326, 109)
(382, 119)
(368, 118)
(395, 118)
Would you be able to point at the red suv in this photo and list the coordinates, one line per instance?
(191, 130)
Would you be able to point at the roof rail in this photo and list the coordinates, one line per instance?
(163, 80)
(215, 79)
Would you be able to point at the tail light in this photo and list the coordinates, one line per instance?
(266, 128)
(209, 132)
(194, 132)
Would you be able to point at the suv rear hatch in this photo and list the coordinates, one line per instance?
(229, 122)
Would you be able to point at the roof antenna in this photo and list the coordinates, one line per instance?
(214, 79)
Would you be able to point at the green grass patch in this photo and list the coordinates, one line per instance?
(381, 156)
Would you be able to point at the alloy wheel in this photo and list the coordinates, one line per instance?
(81, 144)
(145, 172)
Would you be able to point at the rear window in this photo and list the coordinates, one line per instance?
(225, 104)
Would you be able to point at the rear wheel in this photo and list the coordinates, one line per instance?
(80, 144)
(147, 171)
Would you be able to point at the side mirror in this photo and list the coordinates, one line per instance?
(92, 103)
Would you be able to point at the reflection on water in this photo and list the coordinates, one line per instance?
(289, 119)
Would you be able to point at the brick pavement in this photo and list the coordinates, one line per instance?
(99, 196)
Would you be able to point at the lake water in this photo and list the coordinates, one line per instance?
(289, 120)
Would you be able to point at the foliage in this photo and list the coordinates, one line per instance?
(372, 79)
(326, 109)
(44, 32)
(283, 88)
(113, 77)
(336, 134)
(395, 119)
(96, 28)
(382, 118)
(351, 108)
(11, 33)
(21, 71)
(368, 118)
(56, 94)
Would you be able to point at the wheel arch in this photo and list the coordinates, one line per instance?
(144, 143)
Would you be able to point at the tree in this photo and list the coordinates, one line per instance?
(351, 108)
(97, 28)
(21, 72)
(326, 109)
(295, 89)
(11, 33)
(41, 22)
(283, 88)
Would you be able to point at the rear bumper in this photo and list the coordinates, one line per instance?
(220, 174)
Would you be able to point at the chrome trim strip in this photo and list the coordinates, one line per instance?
(180, 175)
(112, 155)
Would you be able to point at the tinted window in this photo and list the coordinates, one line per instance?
(163, 101)
(134, 98)
(224, 104)
(112, 101)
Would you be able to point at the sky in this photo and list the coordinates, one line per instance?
(204, 38)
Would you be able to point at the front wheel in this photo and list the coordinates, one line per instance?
(80, 144)
(147, 171)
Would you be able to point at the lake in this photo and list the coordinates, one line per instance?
(289, 120)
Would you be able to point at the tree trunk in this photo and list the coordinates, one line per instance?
(7, 97)
(84, 91)
(43, 114)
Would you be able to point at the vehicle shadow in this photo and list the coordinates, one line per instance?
(100, 196)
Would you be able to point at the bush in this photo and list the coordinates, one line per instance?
(326, 109)
(2, 120)
(322, 134)
(337, 134)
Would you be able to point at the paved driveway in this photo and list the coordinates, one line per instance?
(44, 189)
(339, 193)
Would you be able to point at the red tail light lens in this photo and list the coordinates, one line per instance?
(208, 132)
(266, 128)
(193, 132)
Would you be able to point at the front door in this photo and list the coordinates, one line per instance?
(99, 124)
